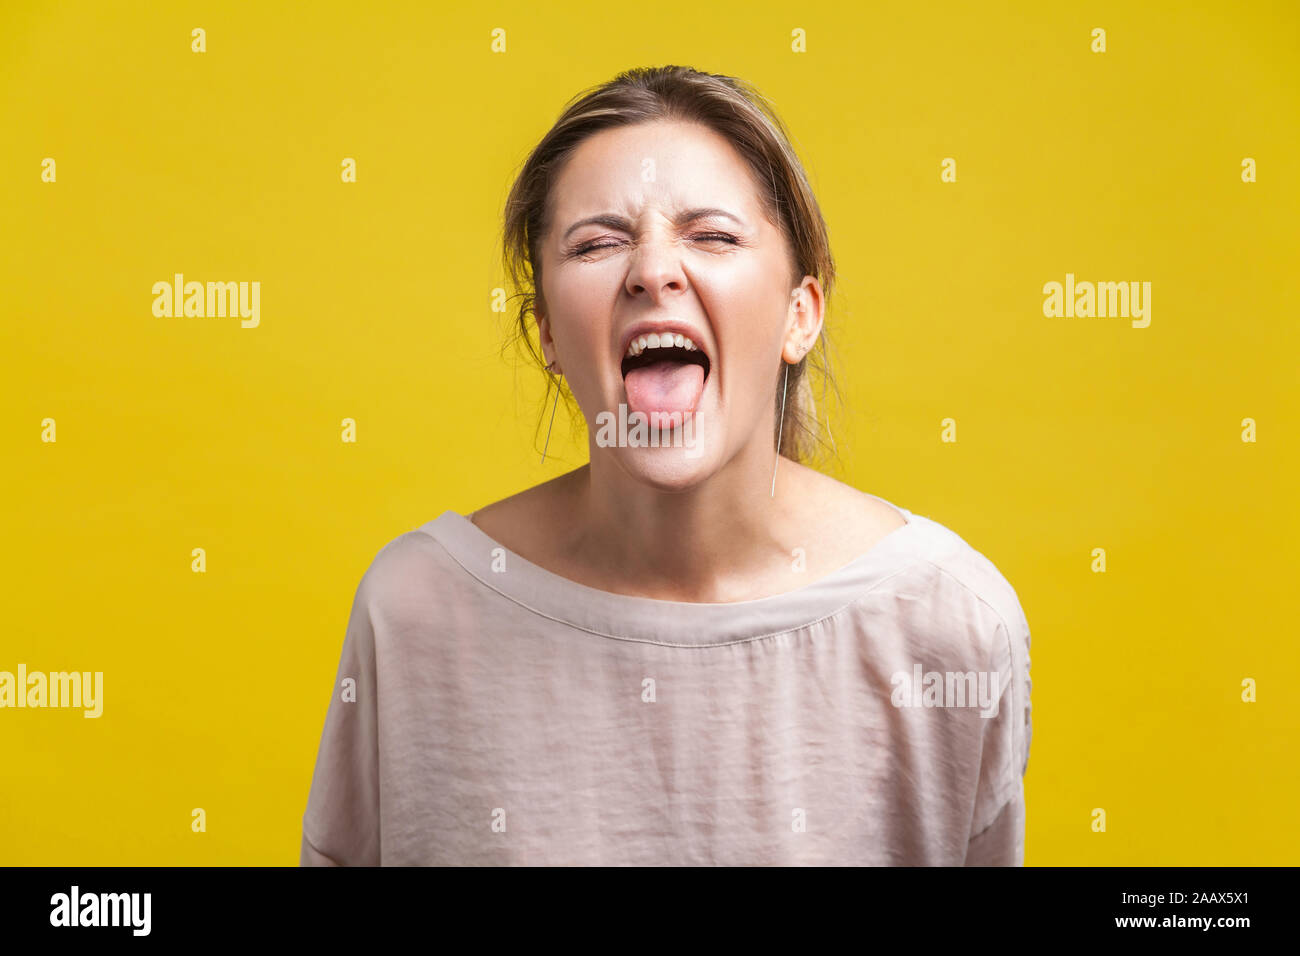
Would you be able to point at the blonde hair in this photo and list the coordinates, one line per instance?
(736, 111)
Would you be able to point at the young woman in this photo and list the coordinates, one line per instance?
(688, 651)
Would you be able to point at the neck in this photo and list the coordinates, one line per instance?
(695, 545)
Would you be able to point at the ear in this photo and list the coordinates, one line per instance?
(544, 336)
(804, 320)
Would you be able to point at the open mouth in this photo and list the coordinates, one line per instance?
(665, 380)
(674, 354)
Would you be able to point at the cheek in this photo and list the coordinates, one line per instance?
(749, 318)
(575, 288)
(579, 305)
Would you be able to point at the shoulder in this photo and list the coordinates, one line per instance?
(845, 522)
(411, 571)
(955, 599)
(963, 615)
(943, 585)
(531, 521)
(949, 556)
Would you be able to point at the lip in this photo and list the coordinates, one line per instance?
(696, 335)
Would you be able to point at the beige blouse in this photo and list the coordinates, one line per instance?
(490, 712)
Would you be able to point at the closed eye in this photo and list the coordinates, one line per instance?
(703, 236)
(592, 247)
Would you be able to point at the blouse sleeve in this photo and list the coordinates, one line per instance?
(1002, 843)
(997, 836)
(341, 824)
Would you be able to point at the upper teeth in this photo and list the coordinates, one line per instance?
(659, 340)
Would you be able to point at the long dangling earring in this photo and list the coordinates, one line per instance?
(780, 427)
(551, 368)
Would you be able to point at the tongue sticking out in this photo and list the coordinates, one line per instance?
(664, 387)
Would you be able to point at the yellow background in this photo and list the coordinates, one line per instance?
(1072, 433)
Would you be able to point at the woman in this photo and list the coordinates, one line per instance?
(695, 651)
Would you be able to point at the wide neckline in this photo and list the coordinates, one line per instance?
(679, 623)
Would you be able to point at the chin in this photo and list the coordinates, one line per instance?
(668, 469)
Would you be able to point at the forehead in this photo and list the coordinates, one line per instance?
(666, 165)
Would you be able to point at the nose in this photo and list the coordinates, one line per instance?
(655, 269)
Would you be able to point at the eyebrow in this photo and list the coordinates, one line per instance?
(620, 222)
